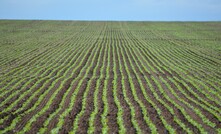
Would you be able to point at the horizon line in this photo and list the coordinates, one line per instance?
(115, 20)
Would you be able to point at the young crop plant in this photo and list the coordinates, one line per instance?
(104, 120)
(120, 109)
(73, 98)
(187, 86)
(125, 94)
(95, 112)
(169, 109)
(147, 119)
(158, 110)
(84, 101)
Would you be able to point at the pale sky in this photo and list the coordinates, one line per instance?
(134, 10)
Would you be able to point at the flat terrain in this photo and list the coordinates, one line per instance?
(110, 77)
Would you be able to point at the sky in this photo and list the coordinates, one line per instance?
(119, 10)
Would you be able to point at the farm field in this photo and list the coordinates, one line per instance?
(110, 77)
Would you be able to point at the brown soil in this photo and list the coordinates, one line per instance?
(12, 116)
(68, 120)
(167, 115)
(68, 123)
(33, 101)
(97, 121)
(191, 113)
(28, 116)
(151, 110)
(126, 114)
(210, 116)
(15, 97)
(54, 121)
(84, 120)
(55, 104)
(139, 115)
